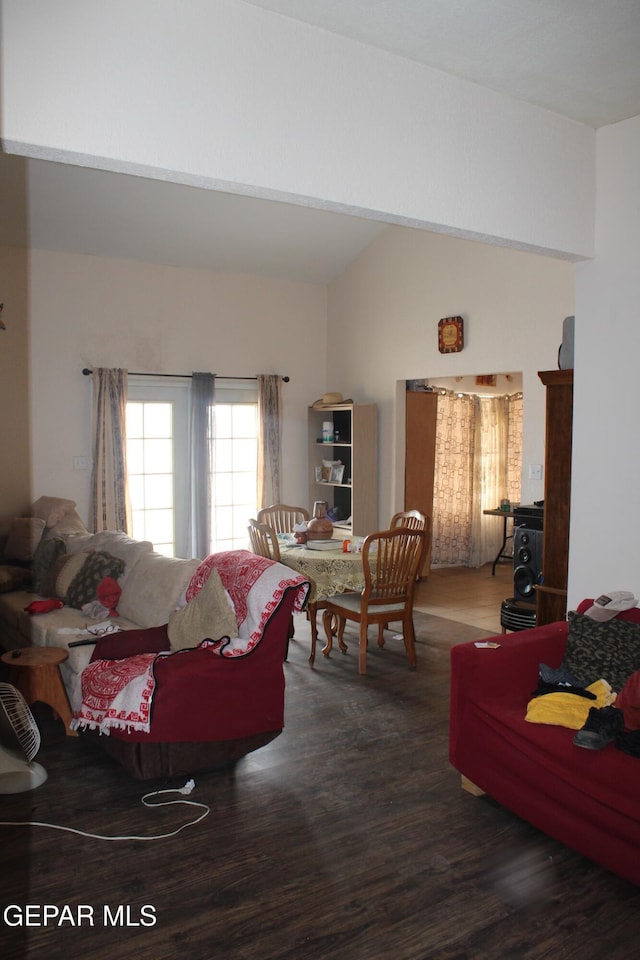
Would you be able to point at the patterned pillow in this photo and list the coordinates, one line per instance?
(45, 557)
(609, 650)
(84, 586)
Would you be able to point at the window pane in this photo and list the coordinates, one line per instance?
(150, 473)
(223, 488)
(234, 479)
(159, 526)
(136, 492)
(244, 487)
(157, 420)
(223, 523)
(134, 420)
(223, 456)
(222, 420)
(244, 453)
(244, 420)
(157, 456)
(135, 456)
(158, 491)
(137, 523)
(240, 522)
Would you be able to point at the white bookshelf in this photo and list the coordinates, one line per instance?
(356, 495)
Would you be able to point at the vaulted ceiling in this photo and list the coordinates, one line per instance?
(578, 58)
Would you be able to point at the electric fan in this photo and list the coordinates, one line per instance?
(19, 743)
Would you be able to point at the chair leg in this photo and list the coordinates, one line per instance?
(362, 654)
(410, 641)
(342, 622)
(381, 629)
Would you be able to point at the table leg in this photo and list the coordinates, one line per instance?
(501, 552)
(313, 622)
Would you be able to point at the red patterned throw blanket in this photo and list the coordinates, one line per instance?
(256, 586)
(115, 694)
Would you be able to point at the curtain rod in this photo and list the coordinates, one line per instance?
(186, 376)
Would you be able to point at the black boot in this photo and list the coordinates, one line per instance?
(602, 727)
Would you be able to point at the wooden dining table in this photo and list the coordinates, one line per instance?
(331, 571)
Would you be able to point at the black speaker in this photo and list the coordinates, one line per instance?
(527, 563)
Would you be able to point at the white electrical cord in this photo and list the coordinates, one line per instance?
(188, 787)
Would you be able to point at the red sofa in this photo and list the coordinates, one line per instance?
(587, 799)
(208, 711)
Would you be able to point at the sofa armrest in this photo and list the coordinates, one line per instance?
(514, 665)
(128, 643)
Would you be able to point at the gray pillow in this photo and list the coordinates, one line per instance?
(46, 554)
(84, 586)
(609, 650)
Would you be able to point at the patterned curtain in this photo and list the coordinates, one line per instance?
(269, 439)
(514, 448)
(453, 480)
(109, 506)
(489, 477)
(201, 462)
(478, 462)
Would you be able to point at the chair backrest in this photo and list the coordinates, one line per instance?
(390, 559)
(409, 518)
(281, 517)
(264, 540)
(415, 520)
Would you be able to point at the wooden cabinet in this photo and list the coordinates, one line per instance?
(355, 443)
(551, 596)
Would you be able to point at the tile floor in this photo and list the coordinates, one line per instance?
(471, 596)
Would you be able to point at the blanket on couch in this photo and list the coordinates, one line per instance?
(115, 694)
(256, 586)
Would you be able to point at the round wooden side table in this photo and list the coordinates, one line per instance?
(35, 672)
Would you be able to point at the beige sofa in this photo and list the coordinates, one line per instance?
(152, 585)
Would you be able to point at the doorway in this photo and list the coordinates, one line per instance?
(463, 455)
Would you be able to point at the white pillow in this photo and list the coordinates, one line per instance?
(153, 588)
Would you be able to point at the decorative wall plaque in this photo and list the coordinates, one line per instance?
(450, 334)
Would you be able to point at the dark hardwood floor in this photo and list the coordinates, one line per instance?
(347, 838)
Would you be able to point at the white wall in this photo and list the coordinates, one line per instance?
(383, 327)
(92, 311)
(222, 94)
(605, 522)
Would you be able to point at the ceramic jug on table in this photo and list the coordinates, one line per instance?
(319, 527)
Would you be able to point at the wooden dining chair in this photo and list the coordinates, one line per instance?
(390, 560)
(264, 540)
(282, 518)
(413, 519)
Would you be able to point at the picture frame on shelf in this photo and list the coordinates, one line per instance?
(337, 473)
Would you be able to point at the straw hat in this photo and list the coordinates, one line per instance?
(331, 400)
